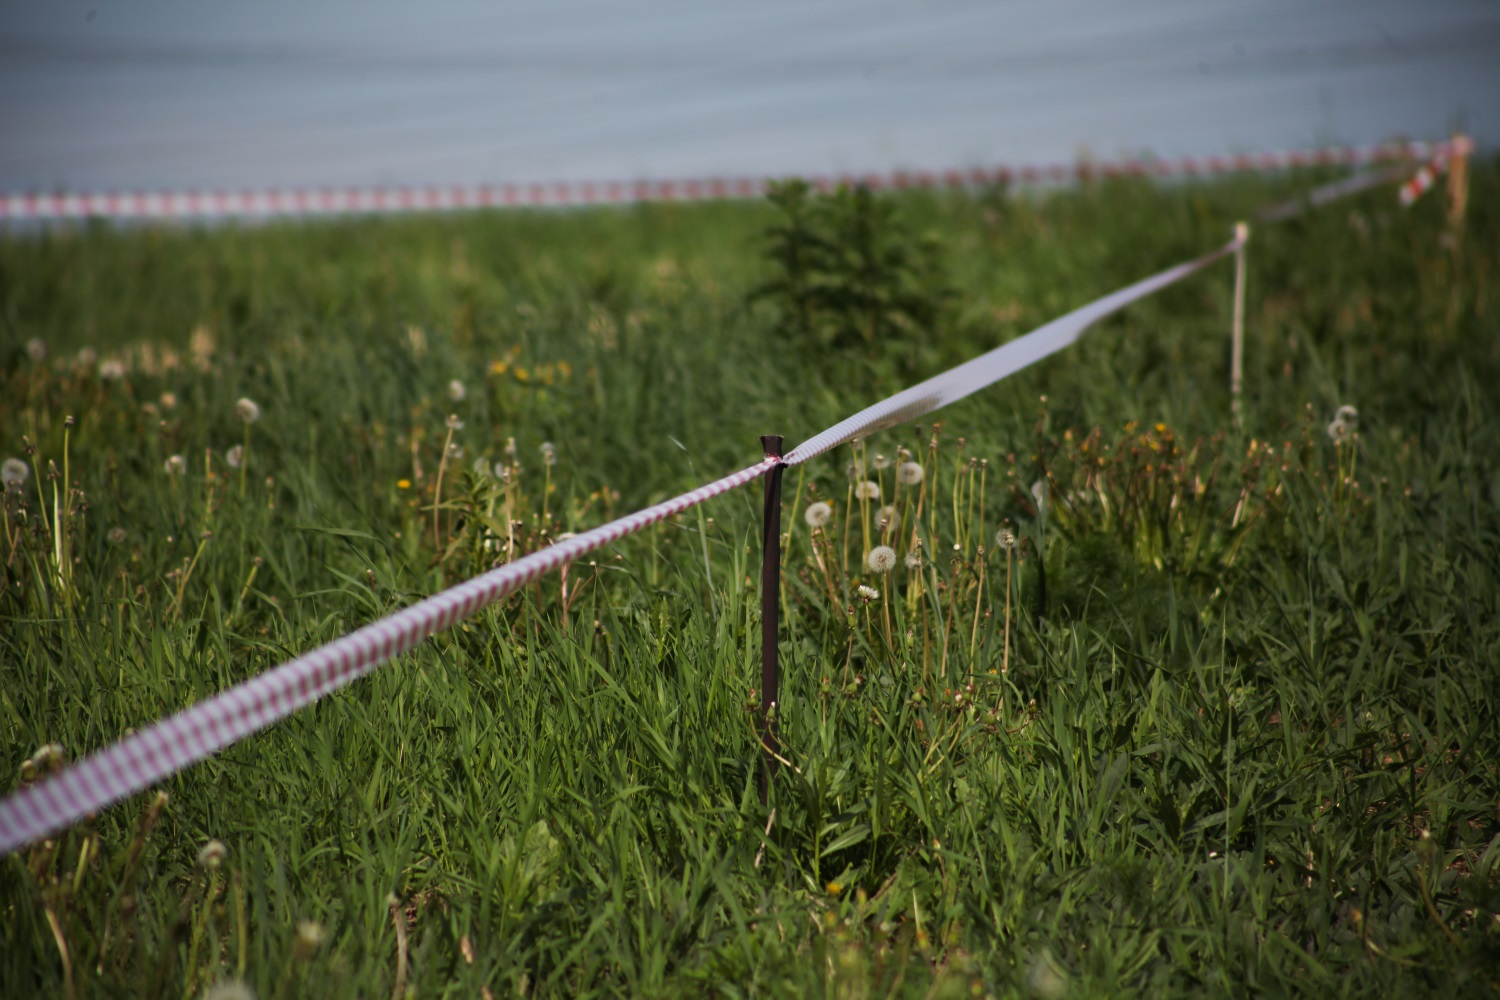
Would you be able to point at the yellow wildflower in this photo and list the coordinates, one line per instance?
(403, 484)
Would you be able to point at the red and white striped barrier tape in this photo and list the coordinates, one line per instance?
(1434, 168)
(987, 369)
(1422, 180)
(334, 201)
(144, 758)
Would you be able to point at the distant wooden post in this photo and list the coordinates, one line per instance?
(770, 616)
(1237, 349)
(1458, 183)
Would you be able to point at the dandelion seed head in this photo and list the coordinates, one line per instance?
(1005, 538)
(212, 854)
(235, 456)
(1039, 494)
(867, 594)
(87, 357)
(887, 516)
(909, 473)
(882, 463)
(14, 473)
(1338, 431)
(247, 409)
(914, 559)
(549, 453)
(309, 934)
(455, 451)
(456, 391)
(867, 490)
(510, 448)
(229, 989)
(176, 465)
(453, 423)
(117, 536)
(502, 472)
(36, 349)
(112, 369)
(818, 514)
(1348, 415)
(851, 470)
(882, 559)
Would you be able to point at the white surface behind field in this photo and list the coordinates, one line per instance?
(211, 94)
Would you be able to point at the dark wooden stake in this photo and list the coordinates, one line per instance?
(770, 615)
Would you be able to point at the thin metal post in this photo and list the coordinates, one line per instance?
(770, 615)
(1237, 351)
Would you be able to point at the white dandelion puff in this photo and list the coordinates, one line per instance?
(1349, 415)
(1338, 431)
(1005, 538)
(549, 453)
(235, 456)
(229, 989)
(818, 514)
(247, 409)
(882, 463)
(455, 451)
(117, 536)
(909, 473)
(867, 490)
(212, 854)
(111, 369)
(914, 560)
(87, 357)
(868, 594)
(882, 559)
(1039, 494)
(453, 423)
(36, 349)
(887, 516)
(14, 473)
(456, 391)
(176, 465)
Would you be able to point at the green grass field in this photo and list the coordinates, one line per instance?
(1228, 723)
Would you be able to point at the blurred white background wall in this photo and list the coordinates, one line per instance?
(211, 93)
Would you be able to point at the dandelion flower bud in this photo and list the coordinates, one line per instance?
(867, 594)
(212, 855)
(1338, 431)
(549, 453)
(1348, 415)
(867, 490)
(247, 409)
(49, 757)
(36, 349)
(882, 559)
(1005, 538)
(176, 465)
(909, 473)
(818, 514)
(14, 473)
(235, 456)
(456, 391)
